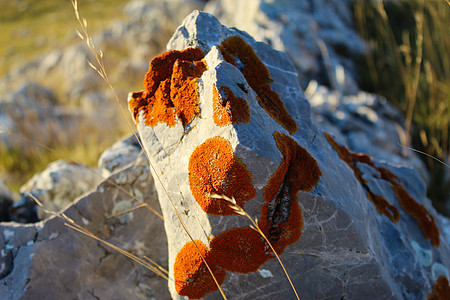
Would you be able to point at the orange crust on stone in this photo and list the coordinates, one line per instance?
(171, 88)
(425, 220)
(441, 289)
(229, 109)
(241, 250)
(258, 77)
(215, 169)
(192, 277)
(381, 204)
(281, 217)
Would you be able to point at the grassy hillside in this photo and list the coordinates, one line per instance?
(31, 27)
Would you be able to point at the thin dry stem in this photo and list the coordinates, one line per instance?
(426, 154)
(239, 210)
(103, 74)
(152, 266)
(141, 203)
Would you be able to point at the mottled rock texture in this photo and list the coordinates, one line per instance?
(48, 260)
(60, 184)
(119, 155)
(223, 114)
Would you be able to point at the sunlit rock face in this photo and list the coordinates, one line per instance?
(222, 114)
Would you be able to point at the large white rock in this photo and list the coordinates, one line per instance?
(349, 248)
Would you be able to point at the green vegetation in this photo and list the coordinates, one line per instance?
(410, 66)
(31, 27)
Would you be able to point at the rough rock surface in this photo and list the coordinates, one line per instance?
(119, 155)
(365, 122)
(48, 260)
(229, 118)
(317, 35)
(59, 185)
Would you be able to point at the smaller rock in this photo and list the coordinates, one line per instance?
(121, 154)
(49, 260)
(59, 185)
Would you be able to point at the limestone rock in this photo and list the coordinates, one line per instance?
(223, 114)
(59, 185)
(121, 154)
(48, 260)
(317, 35)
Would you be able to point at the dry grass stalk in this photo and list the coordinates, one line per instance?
(152, 266)
(100, 68)
(240, 211)
(141, 203)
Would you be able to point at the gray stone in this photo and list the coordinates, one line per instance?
(365, 122)
(317, 35)
(349, 248)
(49, 260)
(121, 154)
(60, 184)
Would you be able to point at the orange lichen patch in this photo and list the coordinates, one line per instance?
(192, 277)
(241, 250)
(441, 289)
(161, 67)
(171, 88)
(215, 169)
(416, 210)
(281, 216)
(425, 220)
(381, 204)
(229, 109)
(282, 222)
(237, 52)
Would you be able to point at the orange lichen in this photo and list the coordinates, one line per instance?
(237, 52)
(171, 88)
(229, 109)
(215, 169)
(441, 289)
(241, 250)
(192, 277)
(425, 220)
(281, 217)
(381, 204)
